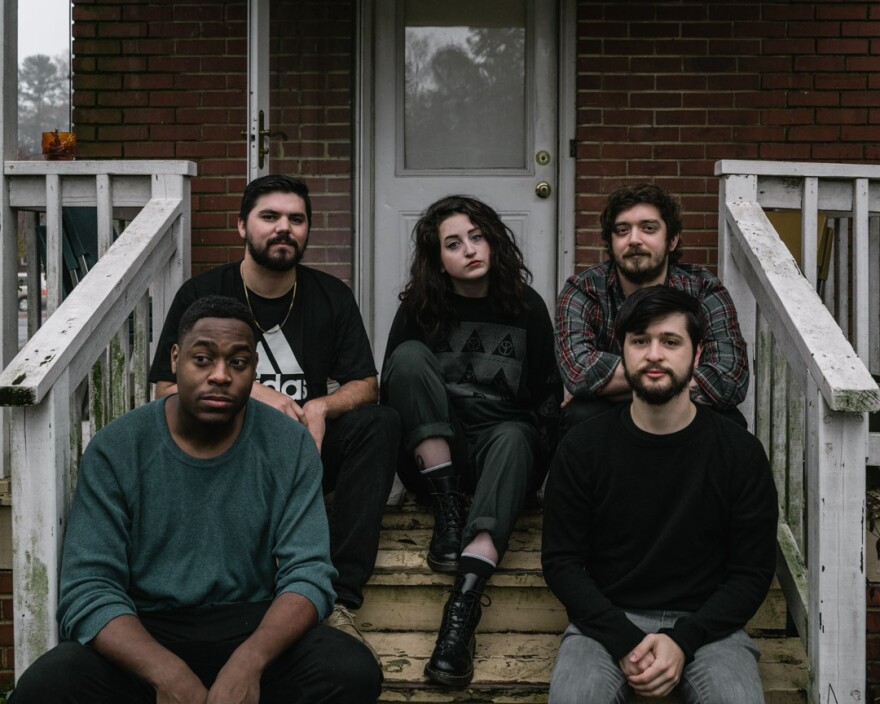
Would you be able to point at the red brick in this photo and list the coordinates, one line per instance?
(860, 134)
(840, 82)
(837, 152)
(784, 152)
(814, 29)
(841, 11)
(842, 46)
(813, 133)
(842, 117)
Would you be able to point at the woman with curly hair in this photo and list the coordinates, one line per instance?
(471, 370)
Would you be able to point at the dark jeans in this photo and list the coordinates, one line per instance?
(495, 459)
(325, 666)
(359, 454)
(580, 410)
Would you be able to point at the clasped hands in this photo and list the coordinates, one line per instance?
(653, 668)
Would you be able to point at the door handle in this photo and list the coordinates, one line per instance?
(543, 190)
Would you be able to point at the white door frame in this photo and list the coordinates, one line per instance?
(258, 87)
(364, 171)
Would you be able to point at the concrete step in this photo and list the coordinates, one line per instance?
(519, 634)
(515, 668)
(404, 594)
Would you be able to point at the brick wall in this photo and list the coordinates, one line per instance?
(667, 88)
(163, 80)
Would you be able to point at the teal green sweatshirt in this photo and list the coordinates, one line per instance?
(153, 528)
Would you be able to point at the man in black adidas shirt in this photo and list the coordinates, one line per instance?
(310, 331)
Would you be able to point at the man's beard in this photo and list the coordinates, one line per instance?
(280, 261)
(657, 396)
(636, 274)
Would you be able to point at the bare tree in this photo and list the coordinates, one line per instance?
(43, 100)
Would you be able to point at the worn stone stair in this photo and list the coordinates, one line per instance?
(519, 633)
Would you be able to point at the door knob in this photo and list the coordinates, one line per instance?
(543, 190)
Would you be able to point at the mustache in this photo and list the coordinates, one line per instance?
(636, 252)
(282, 239)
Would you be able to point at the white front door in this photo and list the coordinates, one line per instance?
(464, 101)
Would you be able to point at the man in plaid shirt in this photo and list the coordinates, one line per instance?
(641, 226)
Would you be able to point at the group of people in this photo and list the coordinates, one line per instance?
(221, 536)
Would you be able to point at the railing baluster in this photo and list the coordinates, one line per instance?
(874, 295)
(54, 244)
(809, 225)
(859, 336)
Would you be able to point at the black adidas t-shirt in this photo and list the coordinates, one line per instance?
(323, 338)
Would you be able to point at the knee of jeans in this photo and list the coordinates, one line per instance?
(356, 673)
(408, 360)
(50, 675)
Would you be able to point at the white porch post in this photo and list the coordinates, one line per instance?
(41, 443)
(836, 549)
(8, 225)
(738, 188)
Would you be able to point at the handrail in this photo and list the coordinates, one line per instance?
(99, 336)
(93, 311)
(814, 337)
(812, 388)
(144, 167)
(796, 169)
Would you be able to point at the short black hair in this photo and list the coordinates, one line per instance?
(276, 183)
(653, 303)
(627, 197)
(214, 307)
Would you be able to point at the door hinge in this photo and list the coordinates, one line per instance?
(572, 148)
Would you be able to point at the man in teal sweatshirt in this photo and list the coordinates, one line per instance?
(196, 564)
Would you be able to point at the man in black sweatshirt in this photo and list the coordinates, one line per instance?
(659, 530)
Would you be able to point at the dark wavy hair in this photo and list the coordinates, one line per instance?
(627, 197)
(274, 183)
(425, 298)
(648, 305)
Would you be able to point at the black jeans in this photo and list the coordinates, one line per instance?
(325, 666)
(494, 459)
(359, 454)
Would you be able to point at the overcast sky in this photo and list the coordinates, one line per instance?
(43, 27)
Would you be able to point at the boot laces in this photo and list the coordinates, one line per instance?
(462, 612)
(449, 508)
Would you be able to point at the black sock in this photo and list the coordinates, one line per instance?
(474, 565)
(440, 471)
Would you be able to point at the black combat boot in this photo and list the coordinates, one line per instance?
(452, 662)
(445, 548)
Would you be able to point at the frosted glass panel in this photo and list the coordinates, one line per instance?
(464, 84)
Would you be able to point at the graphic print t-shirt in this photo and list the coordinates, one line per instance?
(323, 337)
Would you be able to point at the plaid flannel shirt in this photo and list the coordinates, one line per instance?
(588, 353)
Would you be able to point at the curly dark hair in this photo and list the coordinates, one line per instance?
(425, 298)
(627, 197)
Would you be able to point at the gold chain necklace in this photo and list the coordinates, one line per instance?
(247, 299)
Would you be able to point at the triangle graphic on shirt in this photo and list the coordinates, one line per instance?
(468, 377)
(474, 343)
(443, 346)
(499, 381)
(505, 348)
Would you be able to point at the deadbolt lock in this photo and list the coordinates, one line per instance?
(542, 157)
(543, 190)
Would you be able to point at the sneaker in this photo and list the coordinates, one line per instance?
(343, 620)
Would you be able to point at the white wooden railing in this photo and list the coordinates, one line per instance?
(98, 338)
(812, 388)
